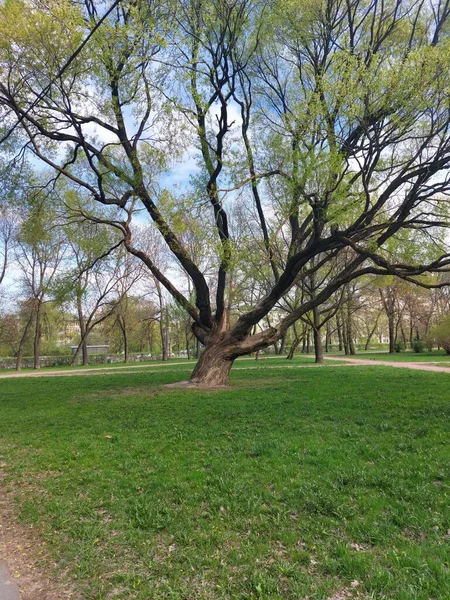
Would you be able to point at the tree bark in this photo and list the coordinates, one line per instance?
(318, 349)
(221, 350)
(308, 343)
(293, 348)
(188, 345)
(282, 349)
(37, 337)
(391, 335)
(163, 334)
(339, 333)
(84, 353)
(295, 344)
(83, 341)
(388, 301)
(371, 333)
(23, 339)
(125, 345)
(83, 347)
(213, 367)
(327, 338)
(121, 321)
(349, 325)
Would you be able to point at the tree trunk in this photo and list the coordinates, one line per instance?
(37, 338)
(295, 344)
(368, 340)
(283, 345)
(23, 339)
(84, 353)
(339, 333)
(351, 345)
(125, 345)
(345, 337)
(213, 367)
(388, 300)
(308, 343)
(164, 333)
(221, 350)
(121, 321)
(188, 346)
(349, 328)
(83, 341)
(327, 338)
(293, 348)
(318, 350)
(150, 342)
(391, 335)
(83, 347)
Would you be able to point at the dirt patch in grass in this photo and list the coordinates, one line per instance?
(347, 593)
(25, 555)
(188, 385)
(127, 392)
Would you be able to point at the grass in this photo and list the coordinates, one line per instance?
(292, 484)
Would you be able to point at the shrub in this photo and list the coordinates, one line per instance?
(399, 347)
(440, 334)
(418, 345)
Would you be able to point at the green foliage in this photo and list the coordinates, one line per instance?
(399, 347)
(418, 345)
(440, 333)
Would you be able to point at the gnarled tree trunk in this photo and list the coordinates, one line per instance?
(220, 352)
(214, 364)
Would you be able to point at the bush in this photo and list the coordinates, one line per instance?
(418, 346)
(399, 347)
(440, 334)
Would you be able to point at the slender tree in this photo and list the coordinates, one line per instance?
(40, 250)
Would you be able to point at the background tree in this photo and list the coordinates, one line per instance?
(40, 250)
(348, 103)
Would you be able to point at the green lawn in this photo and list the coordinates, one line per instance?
(292, 484)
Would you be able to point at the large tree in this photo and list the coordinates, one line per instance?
(330, 117)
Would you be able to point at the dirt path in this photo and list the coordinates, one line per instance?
(99, 371)
(130, 369)
(417, 366)
(24, 560)
(8, 588)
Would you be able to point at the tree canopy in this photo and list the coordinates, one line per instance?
(296, 136)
